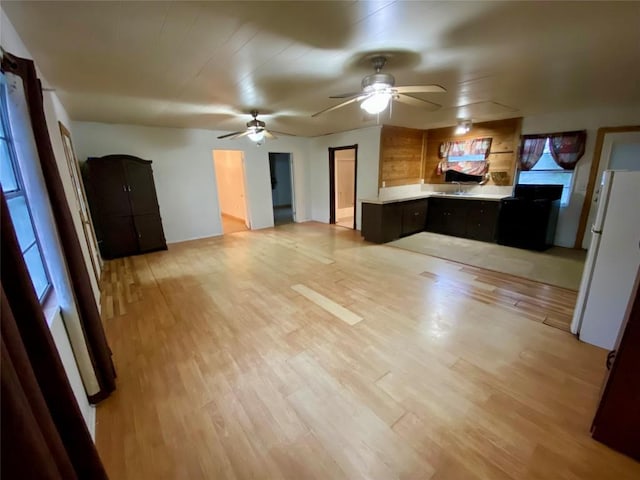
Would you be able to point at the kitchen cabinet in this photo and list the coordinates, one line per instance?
(459, 217)
(474, 219)
(383, 223)
(124, 205)
(414, 217)
(481, 221)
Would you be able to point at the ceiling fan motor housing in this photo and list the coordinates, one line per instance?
(256, 124)
(377, 81)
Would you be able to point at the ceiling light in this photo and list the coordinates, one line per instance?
(376, 103)
(463, 127)
(256, 135)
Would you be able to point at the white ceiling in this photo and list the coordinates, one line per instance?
(203, 64)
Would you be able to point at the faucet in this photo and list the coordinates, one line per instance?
(459, 190)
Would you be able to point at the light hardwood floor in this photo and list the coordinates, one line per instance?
(303, 352)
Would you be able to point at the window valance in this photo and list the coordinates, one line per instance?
(566, 148)
(465, 156)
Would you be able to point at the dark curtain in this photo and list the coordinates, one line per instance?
(567, 148)
(531, 151)
(43, 433)
(81, 284)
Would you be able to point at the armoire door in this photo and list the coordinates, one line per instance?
(149, 231)
(119, 237)
(141, 188)
(109, 188)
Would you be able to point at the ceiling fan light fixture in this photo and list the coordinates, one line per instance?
(376, 103)
(256, 135)
(463, 127)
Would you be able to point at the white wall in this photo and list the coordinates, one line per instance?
(589, 120)
(54, 112)
(368, 141)
(230, 182)
(184, 173)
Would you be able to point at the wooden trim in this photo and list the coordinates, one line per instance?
(595, 165)
(332, 181)
(77, 184)
(332, 185)
(355, 184)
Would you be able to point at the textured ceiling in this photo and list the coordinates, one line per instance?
(204, 64)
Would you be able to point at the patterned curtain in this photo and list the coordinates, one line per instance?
(531, 151)
(453, 154)
(567, 148)
(443, 151)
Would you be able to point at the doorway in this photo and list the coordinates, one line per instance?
(282, 198)
(230, 179)
(343, 169)
(616, 149)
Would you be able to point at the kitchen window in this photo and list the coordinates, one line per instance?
(547, 172)
(18, 203)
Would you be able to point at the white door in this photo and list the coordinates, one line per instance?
(620, 151)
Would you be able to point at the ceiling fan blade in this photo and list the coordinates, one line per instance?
(269, 135)
(282, 133)
(417, 102)
(420, 89)
(346, 95)
(228, 135)
(243, 134)
(340, 105)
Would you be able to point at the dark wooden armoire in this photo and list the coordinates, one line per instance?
(124, 206)
(617, 421)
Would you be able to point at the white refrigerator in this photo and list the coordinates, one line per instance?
(612, 263)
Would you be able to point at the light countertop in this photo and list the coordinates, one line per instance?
(464, 196)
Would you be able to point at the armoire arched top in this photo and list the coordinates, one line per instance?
(121, 156)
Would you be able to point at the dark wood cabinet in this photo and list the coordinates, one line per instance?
(482, 218)
(383, 223)
(414, 216)
(617, 420)
(474, 219)
(124, 205)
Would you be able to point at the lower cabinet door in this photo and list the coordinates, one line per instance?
(414, 217)
(150, 235)
(119, 237)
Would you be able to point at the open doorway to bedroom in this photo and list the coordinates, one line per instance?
(230, 178)
(282, 198)
(343, 167)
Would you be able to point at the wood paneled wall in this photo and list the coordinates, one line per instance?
(505, 136)
(402, 151)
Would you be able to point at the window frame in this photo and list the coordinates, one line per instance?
(6, 136)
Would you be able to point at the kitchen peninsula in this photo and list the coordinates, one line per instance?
(468, 215)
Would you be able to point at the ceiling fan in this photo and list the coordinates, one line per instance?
(256, 130)
(378, 89)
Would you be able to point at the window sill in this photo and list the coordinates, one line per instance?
(50, 307)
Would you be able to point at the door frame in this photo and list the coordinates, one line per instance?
(593, 173)
(247, 210)
(291, 179)
(332, 181)
(82, 203)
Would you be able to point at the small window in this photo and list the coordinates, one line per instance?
(18, 203)
(548, 172)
